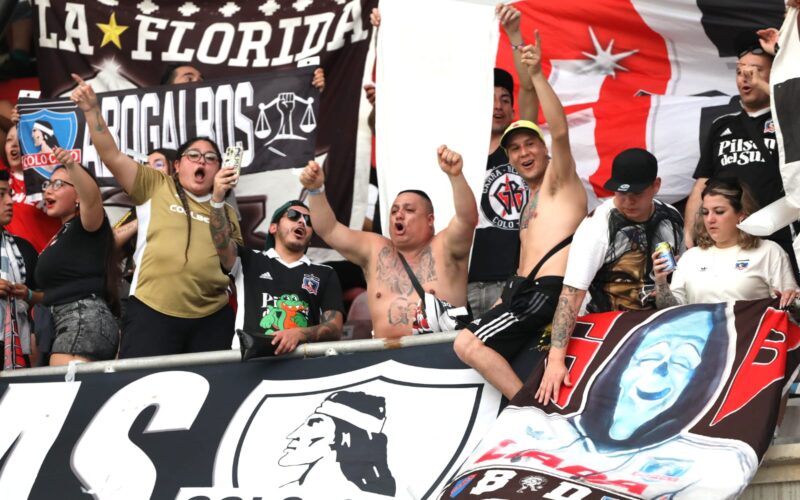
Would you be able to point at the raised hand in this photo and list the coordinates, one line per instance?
(224, 181)
(84, 95)
(318, 81)
(64, 157)
(450, 162)
(15, 115)
(509, 18)
(312, 177)
(375, 17)
(768, 38)
(532, 56)
(369, 90)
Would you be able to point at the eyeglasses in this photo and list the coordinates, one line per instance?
(195, 155)
(294, 215)
(56, 184)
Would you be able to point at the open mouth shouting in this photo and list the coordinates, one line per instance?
(399, 228)
(200, 174)
(300, 232)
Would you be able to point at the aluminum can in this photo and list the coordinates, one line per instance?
(664, 250)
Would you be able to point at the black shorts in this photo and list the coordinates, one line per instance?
(526, 308)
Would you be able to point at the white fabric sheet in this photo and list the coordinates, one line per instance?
(434, 86)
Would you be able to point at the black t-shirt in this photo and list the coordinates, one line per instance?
(495, 253)
(73, 265)
(277, 296)
(29, 258)
(730, 150)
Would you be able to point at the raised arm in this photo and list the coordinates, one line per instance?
(556, 372)
(458, 234)
(562, 165)
(693, 203)
(355, 246)
(527, 100)
(122, 166)
(219, 225)
(91, 202)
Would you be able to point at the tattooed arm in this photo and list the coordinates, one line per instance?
(121, 165)
(556, 373)
(330, 328)
(219, 224)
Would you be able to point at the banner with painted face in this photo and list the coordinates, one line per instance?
(680, 403)
(118, 46)
(374, 425)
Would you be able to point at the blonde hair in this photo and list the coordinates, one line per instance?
(739, 196)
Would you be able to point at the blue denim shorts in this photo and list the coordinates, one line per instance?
(85, 328)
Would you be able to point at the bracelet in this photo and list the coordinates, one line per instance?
(317, 191)
(30, 295)
(216, 204)
(517, 47)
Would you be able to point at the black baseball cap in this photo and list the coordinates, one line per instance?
(276, 216)
(633, 171)
(503, 78)
(747, 42)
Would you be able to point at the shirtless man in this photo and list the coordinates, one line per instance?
(557, 204)
(439, 261)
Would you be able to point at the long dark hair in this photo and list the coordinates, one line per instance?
(49, 139)
(182, 193)
(112, 258)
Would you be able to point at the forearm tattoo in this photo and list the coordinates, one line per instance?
(99, 117)
(664, 297)
(325, 330)
(220, 229)
(564, 319)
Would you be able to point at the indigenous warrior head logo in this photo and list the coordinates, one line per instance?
(342, 438)
(42, 131)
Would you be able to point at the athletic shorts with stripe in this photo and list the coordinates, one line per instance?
(527, 307)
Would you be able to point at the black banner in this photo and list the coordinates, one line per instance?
(273, 117)
(295, 428)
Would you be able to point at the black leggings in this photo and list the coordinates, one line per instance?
(147, 332)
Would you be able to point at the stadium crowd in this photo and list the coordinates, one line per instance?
(174, 276)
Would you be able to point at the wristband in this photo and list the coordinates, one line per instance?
(517, 46)
(317, 191)
(216, 204)
(30, 295)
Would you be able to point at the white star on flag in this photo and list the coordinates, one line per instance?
(300, 5)
(605, 61)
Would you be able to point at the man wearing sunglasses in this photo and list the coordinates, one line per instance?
(281, 292)
(743, 144)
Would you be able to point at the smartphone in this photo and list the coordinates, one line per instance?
(233, 157)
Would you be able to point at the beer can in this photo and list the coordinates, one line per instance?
(664, 251)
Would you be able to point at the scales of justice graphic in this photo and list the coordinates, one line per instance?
(285, 103)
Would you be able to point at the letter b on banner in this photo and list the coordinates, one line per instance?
(492, 480)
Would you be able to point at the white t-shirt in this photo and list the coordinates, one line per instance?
(721, 274)
(610, 256)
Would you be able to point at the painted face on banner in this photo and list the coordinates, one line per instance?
(310, 442)
(659, 371)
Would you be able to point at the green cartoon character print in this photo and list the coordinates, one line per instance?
(288, 311)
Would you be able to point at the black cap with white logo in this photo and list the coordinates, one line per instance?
(633, 171)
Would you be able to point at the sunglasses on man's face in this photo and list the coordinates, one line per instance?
(294, 215)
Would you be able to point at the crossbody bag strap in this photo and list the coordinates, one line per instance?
(413, 277)
(566, 241)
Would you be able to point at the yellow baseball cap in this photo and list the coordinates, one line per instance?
(520, 125)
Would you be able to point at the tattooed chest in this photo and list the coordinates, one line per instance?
(529, 212)
(390, 272)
